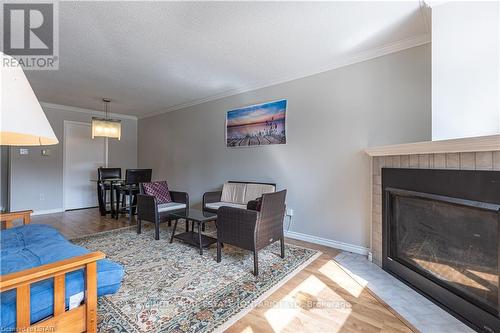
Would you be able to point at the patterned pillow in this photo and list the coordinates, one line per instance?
(158, 190)
(255, 204)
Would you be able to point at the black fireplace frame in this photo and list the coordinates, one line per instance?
(476, 188)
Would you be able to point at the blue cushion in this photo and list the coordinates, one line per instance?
(34, 245)
(30, 234)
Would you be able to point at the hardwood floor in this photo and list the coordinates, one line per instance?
(320, 298)
(81, 222)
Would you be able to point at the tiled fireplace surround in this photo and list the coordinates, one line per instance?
(466, 161)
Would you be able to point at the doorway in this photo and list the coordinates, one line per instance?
(82, 156)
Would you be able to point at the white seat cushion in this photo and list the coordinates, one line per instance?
(234, 192)
(170, 206)
(255, 191)
(217, 205)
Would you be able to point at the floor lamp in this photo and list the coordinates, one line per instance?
(22, 122)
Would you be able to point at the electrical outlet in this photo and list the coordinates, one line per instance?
(289, 212)
(42, 197)
(23, 151)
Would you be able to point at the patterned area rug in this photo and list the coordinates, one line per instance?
(171, 288)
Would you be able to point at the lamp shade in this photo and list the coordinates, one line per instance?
(22, 122)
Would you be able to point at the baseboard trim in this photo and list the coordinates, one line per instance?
(328, 242)
(47, 211)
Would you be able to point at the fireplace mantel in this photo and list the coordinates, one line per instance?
(473, 144)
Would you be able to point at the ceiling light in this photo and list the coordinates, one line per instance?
(105, 127)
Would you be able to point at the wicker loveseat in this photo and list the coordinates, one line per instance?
(235, 194)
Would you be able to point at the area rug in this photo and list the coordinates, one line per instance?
(172, 288)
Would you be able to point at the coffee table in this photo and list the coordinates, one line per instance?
(191, 237)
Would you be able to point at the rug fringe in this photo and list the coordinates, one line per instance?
(103, 232)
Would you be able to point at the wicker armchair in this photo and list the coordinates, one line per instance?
(149, 210)
(252, 230)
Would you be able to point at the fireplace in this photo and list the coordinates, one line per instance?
(441, 235)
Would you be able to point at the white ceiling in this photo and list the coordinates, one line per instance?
(153, 57)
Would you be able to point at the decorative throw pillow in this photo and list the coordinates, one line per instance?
(158, 190)
(255, 204)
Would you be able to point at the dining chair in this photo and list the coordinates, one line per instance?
(109, 173)
(130, 189)
(103, 187)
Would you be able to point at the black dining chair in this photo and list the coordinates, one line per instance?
(130, 189)
(103, 187)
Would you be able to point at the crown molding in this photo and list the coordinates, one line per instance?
(461, 145)
(60, 107)
(338, 63)
(435, 3)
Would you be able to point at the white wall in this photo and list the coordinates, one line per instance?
(332, 117)
(465, 69)
(37, 181)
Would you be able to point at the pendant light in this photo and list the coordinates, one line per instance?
(105, 127)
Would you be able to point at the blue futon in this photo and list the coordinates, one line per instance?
(34, 245)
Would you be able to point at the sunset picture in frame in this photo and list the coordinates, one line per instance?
(257, 125)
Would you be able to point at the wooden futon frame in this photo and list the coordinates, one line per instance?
(80, 319)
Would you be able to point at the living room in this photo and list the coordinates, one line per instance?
(252, 167)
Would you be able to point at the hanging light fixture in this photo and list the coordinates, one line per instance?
(105, 127)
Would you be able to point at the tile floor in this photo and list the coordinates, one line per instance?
(424, 315)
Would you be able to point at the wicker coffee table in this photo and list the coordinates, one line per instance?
(194, 238)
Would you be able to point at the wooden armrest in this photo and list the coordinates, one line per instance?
(14, 280)
(80, 319)
(8, 218)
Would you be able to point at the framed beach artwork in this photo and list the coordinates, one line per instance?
(257, 125)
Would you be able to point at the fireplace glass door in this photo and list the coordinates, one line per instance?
(452, 242)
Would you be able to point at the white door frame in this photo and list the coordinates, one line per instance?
(65, 123)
